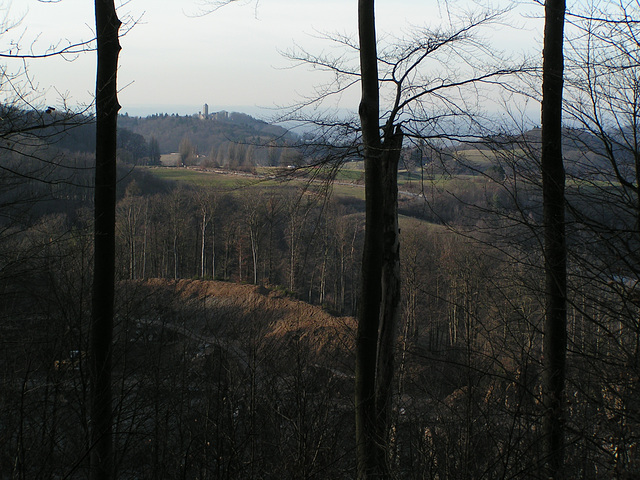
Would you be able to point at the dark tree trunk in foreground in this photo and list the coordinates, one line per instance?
(380, 294)
(555, 255)
(107, 26)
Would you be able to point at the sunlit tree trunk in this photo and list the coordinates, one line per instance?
(108, 46)
(555, 254)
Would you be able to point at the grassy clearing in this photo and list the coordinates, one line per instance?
(348, 191)
(407, 224)
(232, 181)
(221, 181)
(343, 187)
(478, 158)
(350, 175)
(195, 177)
(489, 158)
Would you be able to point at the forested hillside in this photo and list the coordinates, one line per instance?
(204, 133)
(218, 139)
(226, 376)
(223, 139)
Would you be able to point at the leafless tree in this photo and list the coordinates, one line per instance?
(555, 250)
(421, 105)
(107, 106)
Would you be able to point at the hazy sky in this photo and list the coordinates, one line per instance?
(174, 60)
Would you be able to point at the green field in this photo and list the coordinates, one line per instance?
(478, 158)
(347, 184)
(224, 181)
(231, 182)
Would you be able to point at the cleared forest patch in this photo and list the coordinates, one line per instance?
(232, 311)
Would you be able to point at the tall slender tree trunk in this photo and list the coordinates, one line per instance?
(204, 242)
(175, 251)
(293, 244)
(213, 250)
(380, 283)
(254, 253)
(107, 26)
(131, 220)
(144, 243)
(240, 246)
(555, 252)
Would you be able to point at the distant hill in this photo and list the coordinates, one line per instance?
(223, 139)
(585, 154)
(205, 133)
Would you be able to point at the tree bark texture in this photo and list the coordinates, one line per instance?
(555, 254)
(380, 282)
(108, 47)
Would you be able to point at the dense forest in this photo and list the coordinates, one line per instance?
(243, 265)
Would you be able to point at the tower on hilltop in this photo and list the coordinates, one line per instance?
(205, 110)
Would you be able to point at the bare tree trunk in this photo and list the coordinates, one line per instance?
(131, 237)
(144, 244)
(204, 242)
(175, 255)
(240, 258)
(107, 26)
(380, 287)
(213, 250)
(369, 448)
(555, 254)
(292, 252)
(254, 253)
